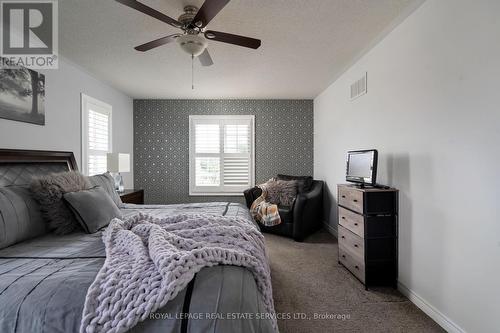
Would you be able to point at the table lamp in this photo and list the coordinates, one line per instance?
(118, 163)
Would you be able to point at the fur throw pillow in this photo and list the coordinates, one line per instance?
(281, 192)
(304, 183)
(49, 191)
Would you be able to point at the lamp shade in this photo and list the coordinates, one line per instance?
(118, 162)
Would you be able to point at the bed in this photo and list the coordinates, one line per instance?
(44, 277)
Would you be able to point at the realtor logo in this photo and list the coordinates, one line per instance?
(29, 34)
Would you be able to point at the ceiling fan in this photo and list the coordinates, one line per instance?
(193, 23)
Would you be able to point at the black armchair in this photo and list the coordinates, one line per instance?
(303, 218)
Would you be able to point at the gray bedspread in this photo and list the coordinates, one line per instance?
(43, 283)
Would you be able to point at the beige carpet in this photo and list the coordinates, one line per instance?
(307, 279)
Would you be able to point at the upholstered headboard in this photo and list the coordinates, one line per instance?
(17, 167)
(20, 216)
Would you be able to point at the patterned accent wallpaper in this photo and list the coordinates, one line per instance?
(283, 143)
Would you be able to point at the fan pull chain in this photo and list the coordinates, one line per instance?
(192, 71)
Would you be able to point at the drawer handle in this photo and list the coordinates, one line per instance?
(343, 237)
(343, 196)
(355, 200)
(343, 217)
(356, 224)
(356, 267)
(355, 245)
(343, 256)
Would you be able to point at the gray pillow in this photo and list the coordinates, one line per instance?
(20, 216)
(49, 190)
(107, 182)
(281, 192)
(93, 208)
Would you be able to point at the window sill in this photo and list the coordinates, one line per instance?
(216, 194)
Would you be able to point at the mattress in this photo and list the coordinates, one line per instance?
(43, 283)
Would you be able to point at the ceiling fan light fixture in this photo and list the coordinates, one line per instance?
(192, 44)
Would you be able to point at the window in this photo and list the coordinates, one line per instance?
(96, 135)
(221, 154)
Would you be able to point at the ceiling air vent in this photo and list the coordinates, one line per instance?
(358, 88)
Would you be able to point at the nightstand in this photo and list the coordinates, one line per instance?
(132, 196)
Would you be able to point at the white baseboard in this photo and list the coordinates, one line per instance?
(331, 229)
(442, 320)
(429, 310)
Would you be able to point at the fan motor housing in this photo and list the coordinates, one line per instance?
(188, 16)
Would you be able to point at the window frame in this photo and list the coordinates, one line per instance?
(86, 101)
(219, 190)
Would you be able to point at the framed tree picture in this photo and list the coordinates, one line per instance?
(22, 95)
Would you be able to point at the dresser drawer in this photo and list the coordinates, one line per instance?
(352, 221)
(353, 264)
(351, 198)
(352, 242)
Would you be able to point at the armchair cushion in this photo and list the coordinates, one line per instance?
(286, 214)
(304, 183)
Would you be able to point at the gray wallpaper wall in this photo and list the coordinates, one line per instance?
(283, 142)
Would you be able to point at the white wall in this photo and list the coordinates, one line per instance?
(433, 112)
(62, 130)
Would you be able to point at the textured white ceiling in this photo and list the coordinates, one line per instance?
(306, 44)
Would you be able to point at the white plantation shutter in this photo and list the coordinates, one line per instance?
(207, 138)
(98, 130)
(221, 154)
(96, 164)
(237, 138)
(96, 135)
(207, 171)
(237, 154)
(207, 150)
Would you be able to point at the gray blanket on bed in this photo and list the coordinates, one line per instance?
(149, 261)
(44, 281)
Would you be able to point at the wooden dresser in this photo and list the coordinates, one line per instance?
(368, 234)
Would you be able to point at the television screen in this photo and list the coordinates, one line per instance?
(362, 166)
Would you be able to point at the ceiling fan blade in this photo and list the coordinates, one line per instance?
(205, 58)
(157, 42)
(151, 12)
(207, 12)
(233, 39)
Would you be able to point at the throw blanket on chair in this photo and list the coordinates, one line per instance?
(264, 211)
(149, 261)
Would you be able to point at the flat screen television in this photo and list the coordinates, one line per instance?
(362, 167)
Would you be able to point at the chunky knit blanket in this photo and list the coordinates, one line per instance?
(150, 260)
